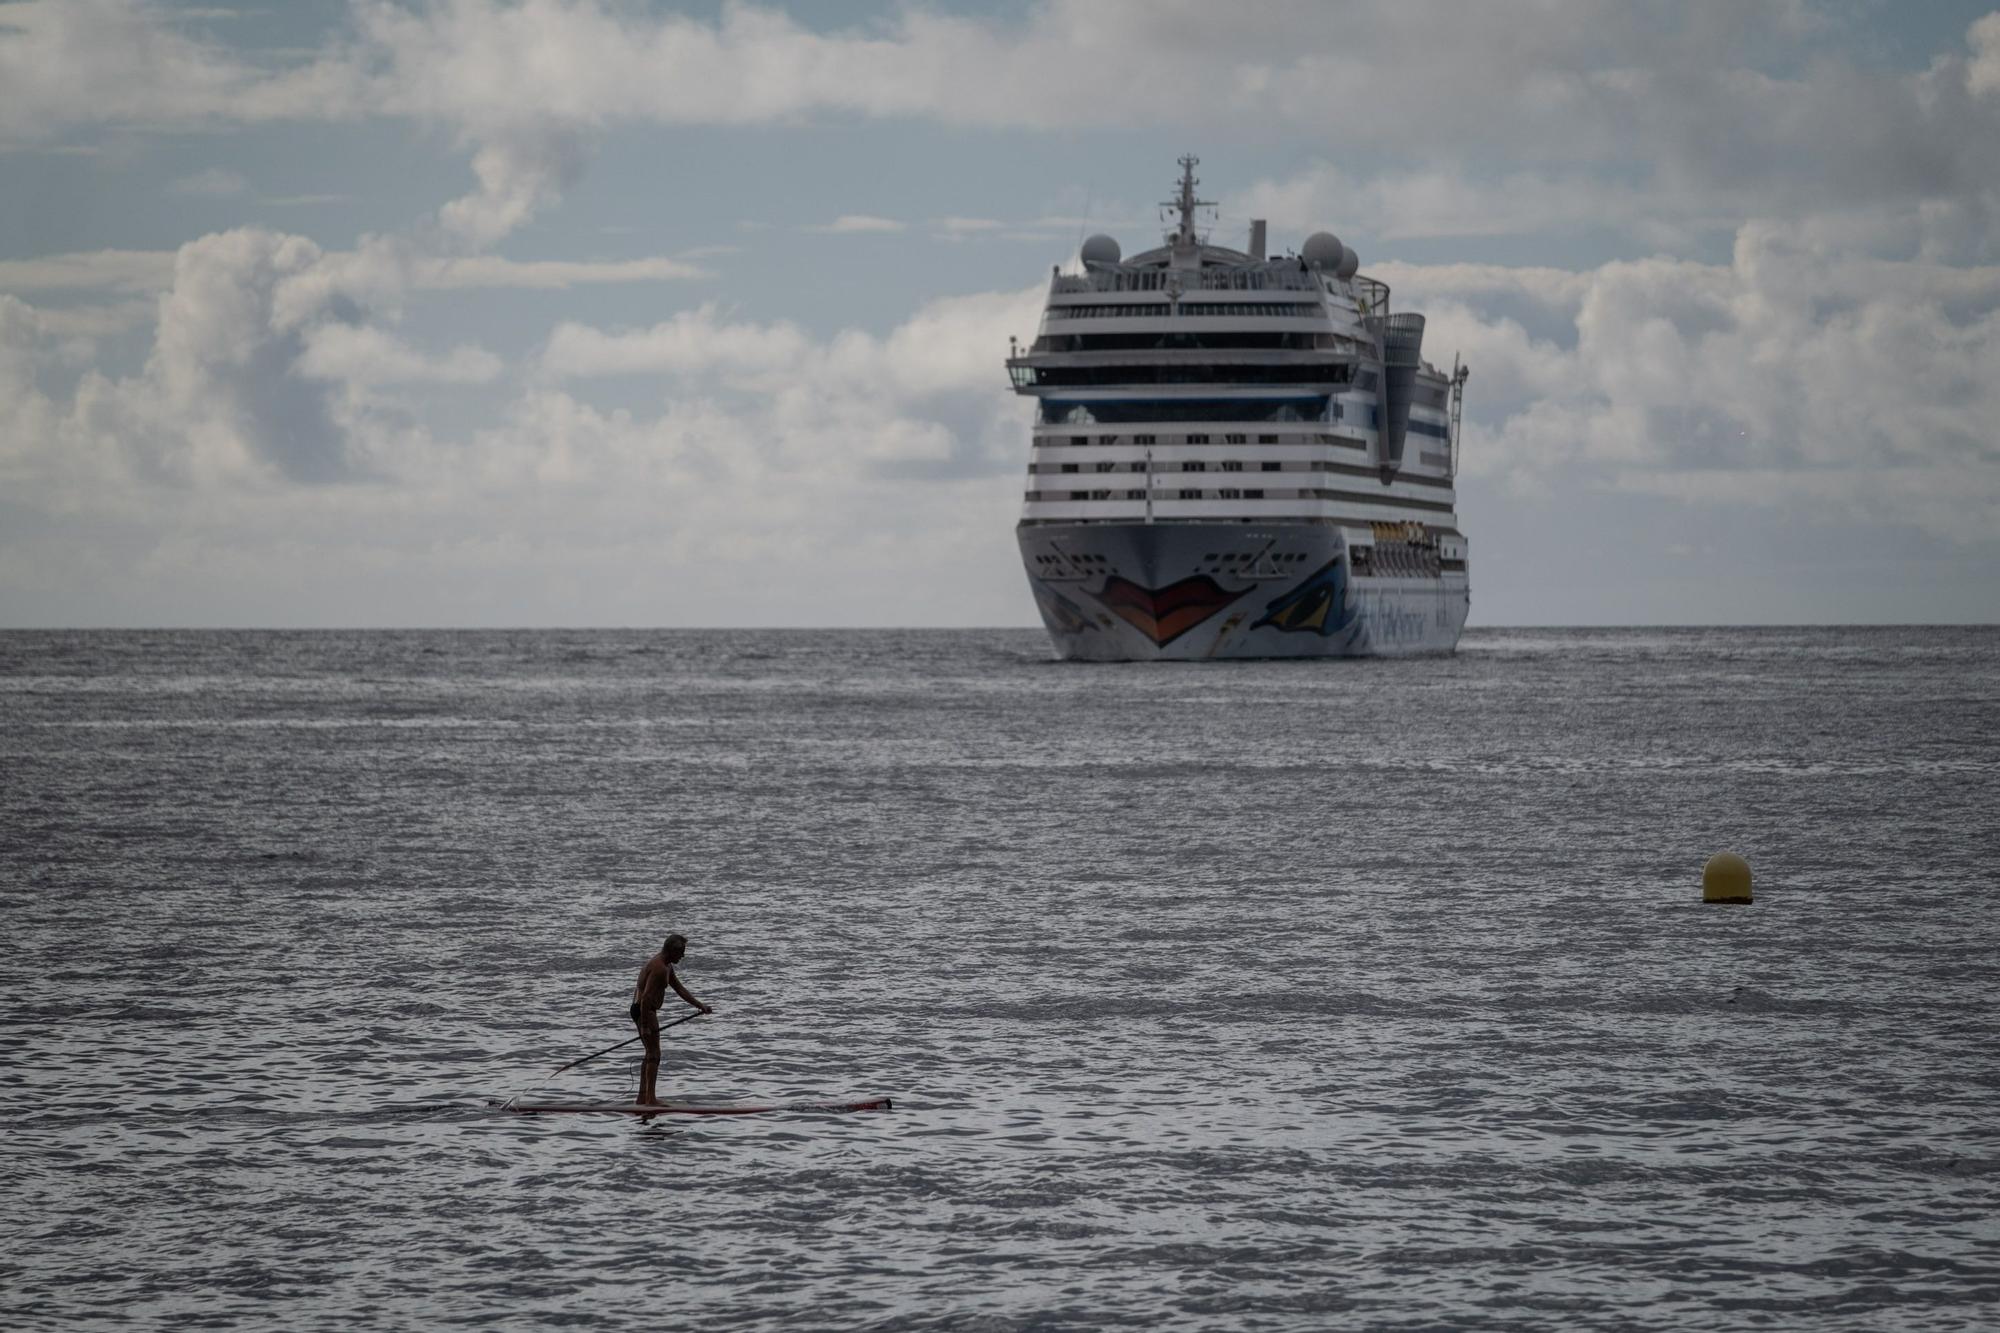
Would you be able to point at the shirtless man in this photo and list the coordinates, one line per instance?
(654, 978)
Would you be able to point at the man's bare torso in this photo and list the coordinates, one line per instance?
(654, 978)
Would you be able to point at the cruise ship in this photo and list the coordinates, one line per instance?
(1238, 455)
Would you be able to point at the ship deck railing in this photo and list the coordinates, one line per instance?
(1283, 278)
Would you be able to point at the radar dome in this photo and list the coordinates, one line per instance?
(1349, 262)
(1321, 250)
(1100, 249)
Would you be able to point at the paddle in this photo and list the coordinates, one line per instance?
(627, 1042)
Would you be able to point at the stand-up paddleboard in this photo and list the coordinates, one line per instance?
(684, 1108)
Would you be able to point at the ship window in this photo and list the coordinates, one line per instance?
(1194, 467)
(1233, 465)
(1228, 493)
(1069, 467)
(1234, 439)
(1079, 495)
(1190, 410)
(1100, 495)
(1107, 467)
(1135, 495)
(1267, 439)
(1274, 467)
(1190, 495)
(1142, 439)
(1139, 467)
(1253, 495)
(1197, 439)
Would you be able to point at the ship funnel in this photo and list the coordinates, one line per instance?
(1402, 353)
(1257, 240)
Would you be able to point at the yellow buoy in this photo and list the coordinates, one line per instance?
(1725, 879)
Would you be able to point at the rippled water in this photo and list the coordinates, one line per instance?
(1242, 995)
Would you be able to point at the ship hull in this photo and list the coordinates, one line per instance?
(1117, 592)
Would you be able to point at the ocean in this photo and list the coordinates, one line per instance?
(1240, 995)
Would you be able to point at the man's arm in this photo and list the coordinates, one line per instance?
(674, 980)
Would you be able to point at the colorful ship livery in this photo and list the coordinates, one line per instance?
(1164, 614)
(1318, 605)
(1223, 430)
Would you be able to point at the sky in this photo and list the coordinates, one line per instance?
(606, 313)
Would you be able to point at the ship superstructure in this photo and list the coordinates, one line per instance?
(1238, 455)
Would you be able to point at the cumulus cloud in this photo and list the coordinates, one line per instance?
(363, 356)
(1866, 383)
(930, 393)
(262, 360)
(1982, 75)
(520, 171)
(692, 342)
(768, 448)
(68, 63)
(1839, 364)
(1726, 112)
(950, 345)
(105, 61)
(1790, 379)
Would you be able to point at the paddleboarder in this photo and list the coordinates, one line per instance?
(647, 996)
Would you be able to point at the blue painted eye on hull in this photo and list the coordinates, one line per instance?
(1318, 605)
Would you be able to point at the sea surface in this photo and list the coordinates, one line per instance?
(1259, 995)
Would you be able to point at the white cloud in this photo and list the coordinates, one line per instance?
(99, 61)
(520, 171)
(214, 182)
(143, 271)
(1703, 115)
(263, 358)
(1455, 201)
(99, 319)
(770, 447)
(301, 200)
(1982, 75)
(95, 270)
(1803, 374)
(66, 63)
(363, 356)
(1867, 383)
(1787, 380)
(951, 346)
(849, 223)
(692, 342)
(491, 271)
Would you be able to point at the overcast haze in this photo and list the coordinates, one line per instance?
(573, 312)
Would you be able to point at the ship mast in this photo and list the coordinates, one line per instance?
(1185, 243)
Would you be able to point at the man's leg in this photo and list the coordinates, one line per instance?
(649, 1068)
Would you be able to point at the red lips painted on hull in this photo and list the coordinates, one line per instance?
(1164, 614)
